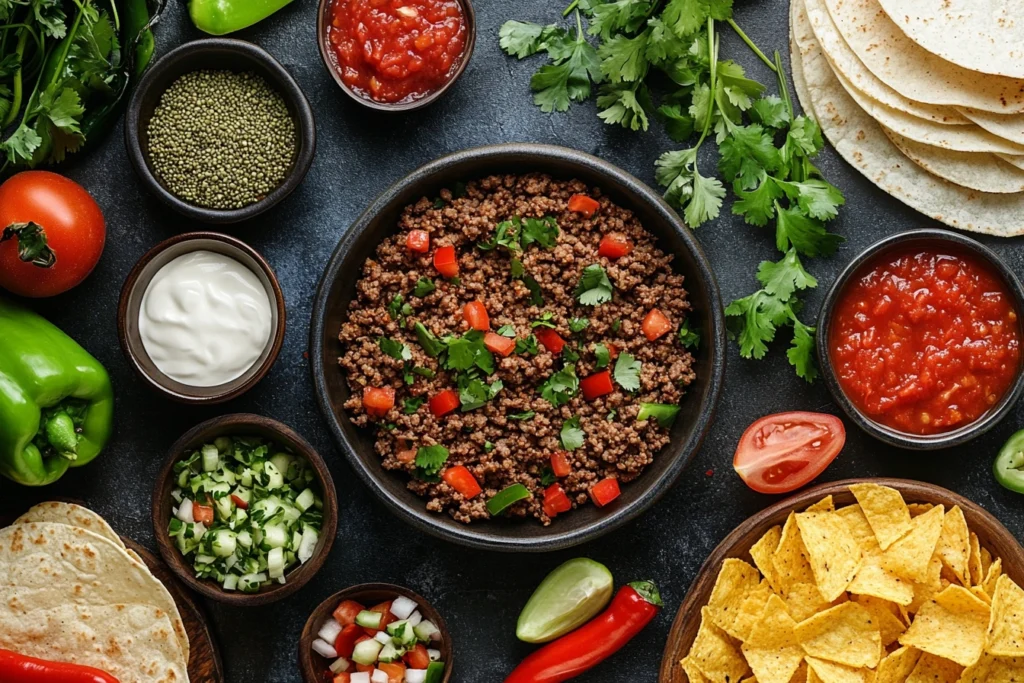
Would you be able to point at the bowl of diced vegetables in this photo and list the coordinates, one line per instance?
(244, 510)
(375, 633)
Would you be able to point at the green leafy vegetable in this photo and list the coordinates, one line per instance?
(527, 346)
(468, 351)
(578, 324)
(528, 415)
(603, 355)
(507, 331)
(424, 286)
(412, 404)
(689, 336)
(474, 392)
(572, 435)
(433, 346)
(561, 387)
(395, 349)
(429, 461)
(545, 320)
(594, 287)
(627, 372)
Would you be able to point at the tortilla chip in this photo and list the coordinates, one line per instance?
(736, 581)
(749, 679)
(995, 570)
(847, 634)
(877, 581)
(692, 672)
(801, 674)
(897, 665)
(918, 509)
(974, 561)
(927, 589)
(804, 600)
(762, 552)
(986, 561)
(952, 625)
(886, 512)
(885, 613)
(772, 651)
(822, 671)
(858, 526)
(833, 554)
(932, 669)
(751, 611)
(714, 654)
(1002, 669)
(954, 546)
(826, 504)
(981, 594)
(790, 558)
(1006, 628)
(909, 557)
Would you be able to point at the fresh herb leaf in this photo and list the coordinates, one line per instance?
(474, 392)
(627, 372)
(578, 324)
(523, 39)
(625, 104)
(542, 231)
(574, 64)
(424, 372)
(561, 387)
(547, 476)
(801, 351)
(507, 331)
(572, 435)
(545, 320)
(570, 354)
(527, 346)
(424, 286)
(536, 296)
(594, 287)
(689, 336)
(488, 446)
(785, 276)
(429, 461)
(617, 325)
(412, 404)
(433, 346)
(395, 349)
(603, 355)
(395, 307)
(468, 351)
(805, 234)
(528, 415)
(611, 415)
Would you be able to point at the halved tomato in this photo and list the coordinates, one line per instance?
(782, 452)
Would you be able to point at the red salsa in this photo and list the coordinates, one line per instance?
(925, 342)
(396, 50)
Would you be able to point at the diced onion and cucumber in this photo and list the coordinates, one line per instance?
(266, 512)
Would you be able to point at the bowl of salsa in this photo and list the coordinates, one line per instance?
(396, 55)
(920, 339)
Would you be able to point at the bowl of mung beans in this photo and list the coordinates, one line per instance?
(219, 131)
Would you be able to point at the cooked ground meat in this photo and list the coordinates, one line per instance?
(500, 451)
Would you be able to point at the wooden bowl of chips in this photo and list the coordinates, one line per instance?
(974, 563)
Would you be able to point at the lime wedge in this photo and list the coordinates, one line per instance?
(567, 598)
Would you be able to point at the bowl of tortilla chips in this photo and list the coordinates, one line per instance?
(857, 581)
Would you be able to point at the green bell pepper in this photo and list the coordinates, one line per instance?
(1009, 465)
(56, 402)
(218, 17)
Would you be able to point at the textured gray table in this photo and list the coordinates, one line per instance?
(361, 153)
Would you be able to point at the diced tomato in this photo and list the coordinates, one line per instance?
(386, 618)
(597, 385)
(560, 464)
(345, 643)
(780, 453)
(446, 262)
(202, 513)
(615, 245)
(444, 403)
(581, 203)
(346, 612)
(394, 670)
(655, 325)
(495, 343)
(613, 351)
(365, 667)
(378, 401)
(551, 340)
(417, 657)
(239, 502)
(418, 240)
(555, 500)
(463, 481)
(475, 314)
(343, 677)
(605, 491)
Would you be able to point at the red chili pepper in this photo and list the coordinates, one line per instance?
(633, 607)
(15, 668)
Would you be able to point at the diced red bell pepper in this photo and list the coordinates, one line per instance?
(345, 613)
(386, 618)
(555, 500)
(581, 203)
(597, 385)
(655, 325)
(365, 667)
(551, 340)
(615, 245)
(463, 481)
(605, 491)
(417, 657)
(378, 401)
(418, 240)
(495, 343)
(202, 514)
(446, 262)
(560, 464)
(613, 351)
(444, 403)
(475, 314)
(239, 502)
(345, 643)
(394, 670)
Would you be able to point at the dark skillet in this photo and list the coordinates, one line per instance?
(337, 287)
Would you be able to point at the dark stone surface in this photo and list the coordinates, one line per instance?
(359, 154)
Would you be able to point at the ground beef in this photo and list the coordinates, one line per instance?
(497, 450)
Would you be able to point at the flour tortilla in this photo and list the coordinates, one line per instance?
(44, 565)
(1007, 126)
(982, 172)
(860, 140)
(75, 515)
(980, 35)
(914, 72)
(1017, 161)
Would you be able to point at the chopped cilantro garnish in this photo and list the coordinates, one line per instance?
(617, 325)
(578, 324)
(430, 343)
(395, 307)
(527, 346)
(395, 349)
(474, 392)
(611, 414)
(439, 203)
(547, 476)
(689, 336)
(627, 372)
(561, 387)
(507, 331)
(468, 351)
(528, 415)
(429, 461)
(594, 288)
(424, 372)
(536, 295)
(412, 404)
(423, 287)
(572, 436)
(570, 354)
(544, 321)
(488, 446)
(456, 281)
(603, 355)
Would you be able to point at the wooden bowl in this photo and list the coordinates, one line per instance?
(991, 534)
(130, 304)
(243, 424)
(368, 594)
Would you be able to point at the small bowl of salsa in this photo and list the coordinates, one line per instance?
(396, 55)
(920, 339)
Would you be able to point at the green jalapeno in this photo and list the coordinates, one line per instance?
(506, 497)
(218, 17)
(1009, 465)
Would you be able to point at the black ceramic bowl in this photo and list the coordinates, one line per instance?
(337, 288)
(930, 238)
(217, 53)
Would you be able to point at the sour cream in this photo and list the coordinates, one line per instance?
(205, 319)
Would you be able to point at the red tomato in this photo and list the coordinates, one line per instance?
(555, 500)
(782, 452)
(613, 351)
(418, 240)
(463, 481)
(239, 502)
(345, 643)
(495, 343)
(202, 513)
(343, 677)
(71, 222)
(365, 667)
(394, 670)
(597, 385)
(417, 657)
(377, 401)
(560, 464)
(655, 325)
(615, 245)
(475, 314)
(346, 612)
(551, 340)
(446, 262)
(604, 491)
(581, 203)
(386, 618)
(444, 403)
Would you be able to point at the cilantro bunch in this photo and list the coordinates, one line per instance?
(668, 50)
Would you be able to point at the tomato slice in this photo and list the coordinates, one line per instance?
(655, 325)
(239, 502)
(597, 385)
(463, 481)
(378, 401)
(615, 245)
(345, 643)
(345, 613)
(495, 343)
(605, 491)
(782, 452)
(446, 262)
(581, 203)
(560, 464)
(475, 314)
(551, 340)
(418, 240)
(202, 514)
(444, 403)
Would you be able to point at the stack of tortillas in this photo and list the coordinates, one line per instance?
(71, 592)
(924, 97)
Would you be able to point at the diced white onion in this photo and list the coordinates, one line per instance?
(324, 649)
(415, 676)
(329, 631)
(435, 655)
(184, 512)
(402, 607)
(415, 618)
(360, 677)
(176, 495)
(339, 665)
(382, 637)
(378, 676)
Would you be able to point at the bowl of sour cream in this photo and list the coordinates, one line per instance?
(201, 317)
